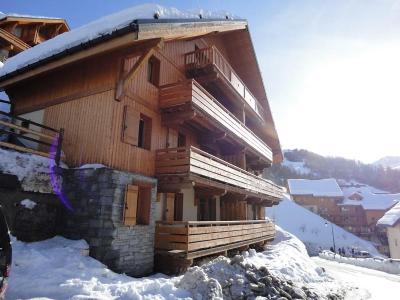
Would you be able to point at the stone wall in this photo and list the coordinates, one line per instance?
(97, 199)
(29, 224)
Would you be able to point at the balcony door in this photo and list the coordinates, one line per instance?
(206, 209)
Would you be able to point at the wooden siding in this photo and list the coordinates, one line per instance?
(80, 98)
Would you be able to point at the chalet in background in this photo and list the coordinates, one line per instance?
(21, 32)
(176, 111)
(391, 223)
(353, 206)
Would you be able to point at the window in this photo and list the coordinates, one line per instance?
(143, 207)
(136, 128)
(153, 71)
(144, 134)
(137, 205)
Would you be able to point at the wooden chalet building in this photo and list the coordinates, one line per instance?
(319, 196)
(21, 32)
(177, 111)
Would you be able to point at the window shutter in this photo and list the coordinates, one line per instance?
(169, 215)
(131, 197)
(130, 126)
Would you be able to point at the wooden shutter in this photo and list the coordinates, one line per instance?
(130, 126)
(169, 213)
(131, 197)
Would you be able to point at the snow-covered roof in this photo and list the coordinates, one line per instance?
(372, 198)
(391, 217)
(318, 188)
(13, 15)
(102, 27)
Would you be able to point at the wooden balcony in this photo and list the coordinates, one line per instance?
(209, 67)
(193, 239)
(178, 166)
(189, 102)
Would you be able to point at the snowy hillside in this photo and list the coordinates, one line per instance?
(392, 162)
(59, 268)
(311, 230)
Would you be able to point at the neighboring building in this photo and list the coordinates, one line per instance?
(391, 222)
(177, 111)
(21, 32)
(353, 206)
(319, 196)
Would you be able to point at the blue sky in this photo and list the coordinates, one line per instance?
(331, 68)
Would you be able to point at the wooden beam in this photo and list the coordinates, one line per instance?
(123, 82)
(13, 40)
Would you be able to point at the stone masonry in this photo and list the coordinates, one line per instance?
(97, 198)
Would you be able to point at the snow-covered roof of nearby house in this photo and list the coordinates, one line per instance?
(5, 15)
(322, 187)
(391, 217)
(103, 27)
(372, 198)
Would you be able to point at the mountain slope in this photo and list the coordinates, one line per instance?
(392, 162)
(309, 165)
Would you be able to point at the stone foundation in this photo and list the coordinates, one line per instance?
(29, 224)
(97, 197)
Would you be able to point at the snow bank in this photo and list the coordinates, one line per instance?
(101, 27)
(287, 258)
(321, 187)
(311, 230)
(33, 171)
(92, 166)
(391, 266)
(56, 269)
(391, 217)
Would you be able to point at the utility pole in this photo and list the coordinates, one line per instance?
(333, 236)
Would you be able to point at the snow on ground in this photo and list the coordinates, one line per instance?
(386, 265)
(33, 171)
(311, 230)
(362, 283)
(59, 269)
(319, 187)
(56, 269)
(98, 28)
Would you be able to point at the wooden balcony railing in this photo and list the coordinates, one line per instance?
(196, 164)
(28, 136)
(202, 58)
(191, 92)
(193, 239)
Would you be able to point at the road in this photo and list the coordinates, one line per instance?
(363, 283)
